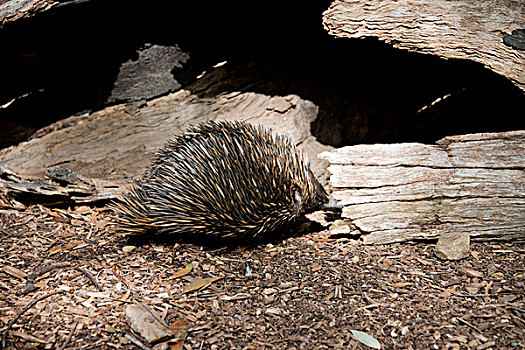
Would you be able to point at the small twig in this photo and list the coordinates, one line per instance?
(334, 259)
(39, 272)
(518, 319)
(472, 295)
(507, 249)
(95, 345)
(470, 325)
(91, 279)
(137, 342)
(372, 302)
(6, 201)
(44, 269)
(28, 306)
(506, 306)
(232, 260)
(517, 309)
(119, 277)
(69, 336)
(22, 222)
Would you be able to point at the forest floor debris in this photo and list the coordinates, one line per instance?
(66, 280)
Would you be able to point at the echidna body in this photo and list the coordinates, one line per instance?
(222, 179)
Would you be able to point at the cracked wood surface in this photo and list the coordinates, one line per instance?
(469, 183)
(464, 29)
(18, 9)
(94, 160)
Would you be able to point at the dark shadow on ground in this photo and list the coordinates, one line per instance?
(210, 243)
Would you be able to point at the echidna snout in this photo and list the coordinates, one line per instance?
(222, 179)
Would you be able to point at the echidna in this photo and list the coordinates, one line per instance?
(222, 179)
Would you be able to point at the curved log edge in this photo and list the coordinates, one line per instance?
(472, 30)
(13, 10)
(95, 159)
(398, 192)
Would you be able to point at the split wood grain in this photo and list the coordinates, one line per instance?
(470, 183)
(464, 29)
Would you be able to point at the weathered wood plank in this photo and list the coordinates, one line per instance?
(473, 150)
(472, 30)
(468, 183)
(411, 183)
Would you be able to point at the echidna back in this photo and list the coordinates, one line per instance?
(225, 179)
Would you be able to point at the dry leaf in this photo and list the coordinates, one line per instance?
(180, 324)
(472, 273)
(200, 283)
(179, 345)
(128, 248)
(55, 213)
(402, 284)
(473, 288)
(324, 239)
(61, 247)
(83, 209)
(268, 291)
(13, 271)
(366, 339)
(181, 273)
(147, 323)
(316, 267)
(29, 337)
(273, 311)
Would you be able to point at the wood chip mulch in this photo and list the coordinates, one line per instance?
(66, 280)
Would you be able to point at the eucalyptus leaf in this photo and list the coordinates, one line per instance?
(491, 270)
(366, 339)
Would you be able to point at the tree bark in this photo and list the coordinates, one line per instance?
(464, 29)
(470, 183)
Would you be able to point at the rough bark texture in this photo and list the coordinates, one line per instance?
(150, 75)
(463, 29)
(94, 159)
(17, 9)
(470, 183)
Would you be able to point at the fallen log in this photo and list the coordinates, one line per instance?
(96, 158)
(473, 30)
(398, 192)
